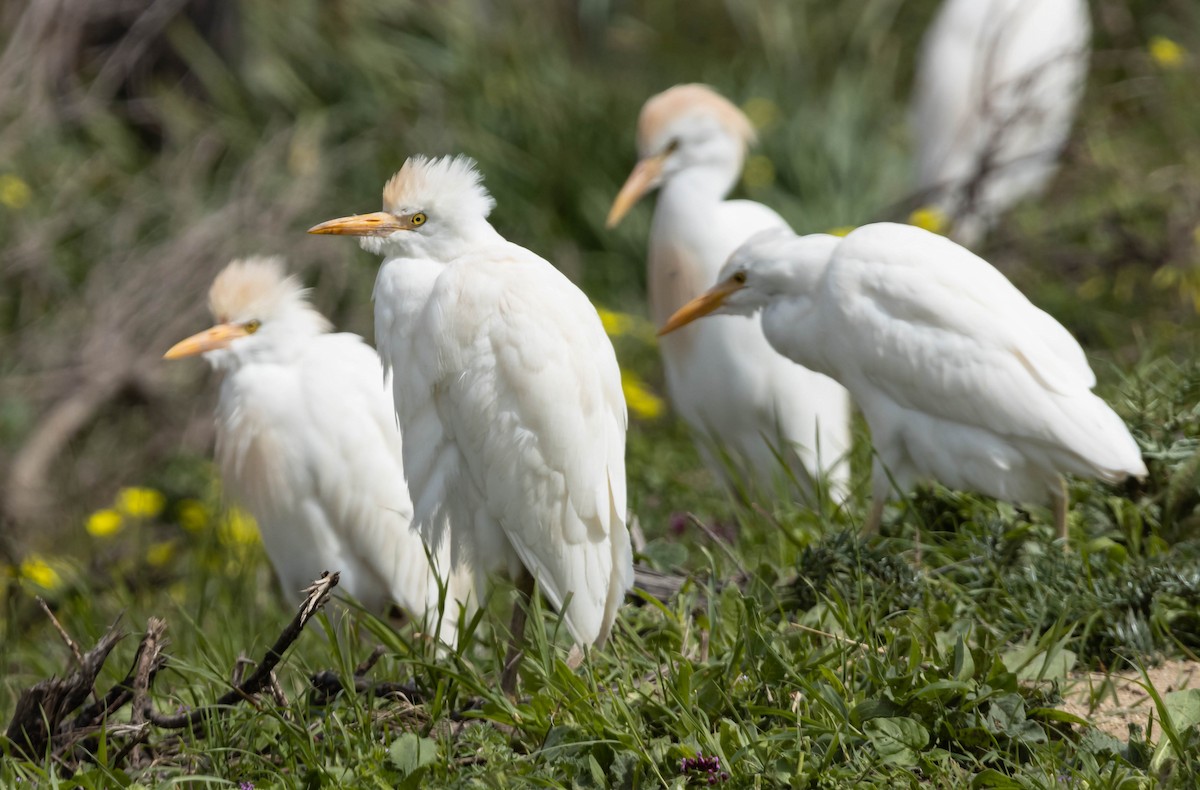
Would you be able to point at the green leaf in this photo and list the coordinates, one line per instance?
(964, 663)
(897, 740)
(1183, 709)
(1031, 662)
(1054, 714)
(944, 689)
(596, 771)
(411, 752)
(990, 777)
(872, 709)
(1006, 716)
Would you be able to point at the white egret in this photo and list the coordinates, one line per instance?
(510, 406)
(723, 377)
(961, 379)
(307, 442)
(998, 83)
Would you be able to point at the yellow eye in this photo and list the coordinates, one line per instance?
(739, 277)
(251, 326)
(418, 219)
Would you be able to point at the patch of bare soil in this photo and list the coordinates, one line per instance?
(1113, 702)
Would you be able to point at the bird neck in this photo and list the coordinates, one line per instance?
(791, 325)
(477, 230)
(701, 184)
(469, 233)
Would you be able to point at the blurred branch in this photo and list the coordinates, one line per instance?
(26, 490)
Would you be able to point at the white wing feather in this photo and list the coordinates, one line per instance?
(938, 330)
(312, 449)
(532, 428)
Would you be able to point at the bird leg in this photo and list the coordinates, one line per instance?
(1061, 499)
(874, 518)
(516, 631)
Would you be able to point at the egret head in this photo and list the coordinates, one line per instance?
(429, 208)
(771, 264)
(685, 127)
(257, 306)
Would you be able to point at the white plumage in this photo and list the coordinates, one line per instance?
(307, 442)
(961, 379)
(723, 378)
(998, 83)
(511, 403)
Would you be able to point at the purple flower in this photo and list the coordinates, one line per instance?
(707, 768)
(245, 785)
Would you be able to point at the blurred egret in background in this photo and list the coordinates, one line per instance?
(961, 379)
(998, 83)
(307, 442)
(723, 378)
(510, 403)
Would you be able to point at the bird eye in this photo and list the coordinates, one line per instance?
(418, 219)
(739, 277)
(672, 146)
(252, 326)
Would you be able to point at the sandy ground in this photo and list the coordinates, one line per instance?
(1113, 702)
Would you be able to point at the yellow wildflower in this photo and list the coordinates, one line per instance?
(615, 324)
(14, 192)
(104, 522)
(239, 528)
(621, 324)
(761, 111)
(38, 571)
(641, 401)
(929, 218)
(140, 502)
(159, 554)
(759, 172)
(840, 230)
(193, 515)
(1167, 53)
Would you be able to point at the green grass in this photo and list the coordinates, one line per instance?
(798, 654)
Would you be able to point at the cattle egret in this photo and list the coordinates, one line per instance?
(723, 377)
(997, 86)
(961, 379)
(307, 442)
(510, 403)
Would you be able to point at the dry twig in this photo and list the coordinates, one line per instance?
(40, 718)
(42, 708)
(317, 594)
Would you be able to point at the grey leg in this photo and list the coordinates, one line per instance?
(516, 630)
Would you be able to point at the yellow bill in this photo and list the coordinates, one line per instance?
(643, 178)
(379, 223)
(701, 306)
(220, 336)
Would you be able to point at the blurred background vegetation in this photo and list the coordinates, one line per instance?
(144, 143)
